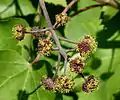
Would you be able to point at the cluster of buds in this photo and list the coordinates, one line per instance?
(62, 84)
(48, 84)
(87, 46)
(19, 31)
(61, 19)
(77, 64)
(65, 84)
(91, 83)
(45, 46)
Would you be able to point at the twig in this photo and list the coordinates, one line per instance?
(36, 59)
(38, 30)
(87, 8)
(113, 3)
(65, 10)
(67, 40)
(55, 49)
(81, 74)
(42, 4)
(69, 6)
(58, 65)
(65, 65)
(35, 90)
(63, 53)
(70, 50)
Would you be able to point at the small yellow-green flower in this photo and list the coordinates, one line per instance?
(90, 84)
(61, 19)
(77, 64)
(64, 84)
(45, 46)
(48, 83)
(87, 46)
(18, 31)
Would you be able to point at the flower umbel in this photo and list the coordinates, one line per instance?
(90, 84)
(64, 84)
(48, 83)
(18, 31)
(77, 64)
(61, 19)
(87, 46)
(45, 47)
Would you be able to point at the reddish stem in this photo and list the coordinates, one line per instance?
(87, 8)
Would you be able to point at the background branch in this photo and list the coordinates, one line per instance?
(87, 8)
(69, 6)
(58, 65)
(67, 40)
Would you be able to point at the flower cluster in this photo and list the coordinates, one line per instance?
(18, 31)
(90, 84)
(87, 46)
(48, 83)
(61, 19)
(62, 84)
(77, 64)
(45, 46)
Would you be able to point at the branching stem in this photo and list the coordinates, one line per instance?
(61, 50)
(38, 30)
(69, 6)
(34, 90)
(67, 40)
(58, 66)
(36, 59)
(87, 8)
(81, 74)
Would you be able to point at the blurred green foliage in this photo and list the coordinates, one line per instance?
(17, 79)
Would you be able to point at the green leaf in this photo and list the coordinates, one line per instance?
(79, 29)
(109, 12)
(108, 72)
(26, 7)
(57, 2)
(17, 78)
(7, 9)
(77, 24)
(10, 8)
(7, 25)
(8, 42)
(85, 3)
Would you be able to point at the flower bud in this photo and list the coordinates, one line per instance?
(87, 46)
(90, 84)
(64, 84)
(48, 83)
(77, 64)
(61, 19)
(18, 31)
(45, 47)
